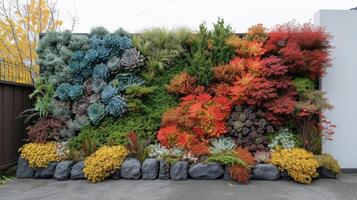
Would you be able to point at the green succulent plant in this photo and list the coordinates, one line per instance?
(222, 144)
(116, 106)
(96, 112)
(108, 92)
(131, 60)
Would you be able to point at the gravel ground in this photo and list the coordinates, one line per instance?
(345, 187)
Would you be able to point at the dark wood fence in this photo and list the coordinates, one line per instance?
(13, 100)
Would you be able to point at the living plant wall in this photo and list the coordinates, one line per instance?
(177, 94)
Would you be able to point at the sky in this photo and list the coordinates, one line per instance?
(136, 15)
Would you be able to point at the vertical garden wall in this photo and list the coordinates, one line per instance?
(192, 100)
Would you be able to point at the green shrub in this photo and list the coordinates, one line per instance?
(328, 162)
(304, 85)
(208, 49)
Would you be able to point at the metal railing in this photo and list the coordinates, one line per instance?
(16, 72)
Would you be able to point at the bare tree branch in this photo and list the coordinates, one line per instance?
(7, 15)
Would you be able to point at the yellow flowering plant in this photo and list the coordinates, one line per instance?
(104, 162)
(298, 163)
(39, 155)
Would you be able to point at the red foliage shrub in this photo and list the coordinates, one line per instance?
(45, 130)
(304, 48)
(199, 150)
(246, 48)
(238, 172)
(227, 73)
(168, 135)
(196, 119)
(272, 66)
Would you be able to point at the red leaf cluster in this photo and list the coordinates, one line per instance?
(303, 48)
(257, 81)
(45, 130)
(196, 119)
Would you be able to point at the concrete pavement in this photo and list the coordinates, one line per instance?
(344, 188)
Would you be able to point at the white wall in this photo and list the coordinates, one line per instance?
(341, 83)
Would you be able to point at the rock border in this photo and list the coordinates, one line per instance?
(150, 169)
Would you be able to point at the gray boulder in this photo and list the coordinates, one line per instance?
(164, 172)
(63, 170)
(206, 171)
(150, 169)
(266, 172)
(77, 171)
(178, 171)
(326, 173)
(46, 172)
(131, 169)
(23, 169)
(116, 175)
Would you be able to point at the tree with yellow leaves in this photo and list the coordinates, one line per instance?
(21, 22)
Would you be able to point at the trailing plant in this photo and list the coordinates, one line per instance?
(39, 155)
(104, 162)
(45, 129)
(328, 162)
(298, 163)
(227, 158)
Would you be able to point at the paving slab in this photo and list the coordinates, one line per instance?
(344, 188)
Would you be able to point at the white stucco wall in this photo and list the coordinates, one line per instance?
(341, 83)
